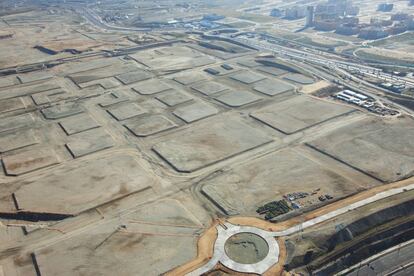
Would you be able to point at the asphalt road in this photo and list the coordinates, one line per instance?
(400, 261)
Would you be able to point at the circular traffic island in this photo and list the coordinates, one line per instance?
(246, 248)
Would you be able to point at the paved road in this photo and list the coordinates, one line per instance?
(220, 255)
(96, 20)
(398, 260)
(335, 65)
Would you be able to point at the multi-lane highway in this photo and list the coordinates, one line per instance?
(320, 58)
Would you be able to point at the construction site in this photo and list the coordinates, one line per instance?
(171, 152)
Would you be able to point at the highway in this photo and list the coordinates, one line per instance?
(397, 260)
(320, 59)
(95, 20)
(314, 63)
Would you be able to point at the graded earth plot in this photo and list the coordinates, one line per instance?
(149, 125)
(8, 81)
(298, 113)
(150, 87)
(172, 59)
(107, 83)
(271, 70)
(17, 140)
(247, 77)
(102, 73)
(50, 96)
(272, 87)
(195, 111)
(24, 90)
(299, 78)
(160, 236)
(11, 105)
(189, 78)
(29, 160)
(221, 49)
(209, 142)
(81, 186)
(89, 142)
(248, 62)
(173, 97)
(62, 111)
(16, 122)
(209, 87)
(87, 65)
(135, 76)
(34, 76)
(244, 188)
(380, 148)
(113, 98)
(233, 98)
(79, 123)
(126, 111)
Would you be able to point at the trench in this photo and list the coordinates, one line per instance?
(34, 216)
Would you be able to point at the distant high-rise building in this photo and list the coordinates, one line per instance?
(276, 13)
(309, 15)
(295, 12)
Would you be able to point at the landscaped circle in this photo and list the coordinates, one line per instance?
(246, 248)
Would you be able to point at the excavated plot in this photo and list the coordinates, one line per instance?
(299, 113)
(79, 123)
(62, 111)
(29, 160)
(299, 78)
(189, 78)
(209, 88)
(131, 77)
(126, 111)
(17, 140)
(268, 178)
(150, 87)
(235, 98)
(222, 71)
(81, 186)
(194, 112)
(89, 142)
(162, 249)
(12, 123)
(173, 97)
(11, 105)
(150, 125)
(209, 142)
(272, 87)
(383, 149)
(247, 77)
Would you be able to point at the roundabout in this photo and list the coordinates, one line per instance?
(243, 249)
